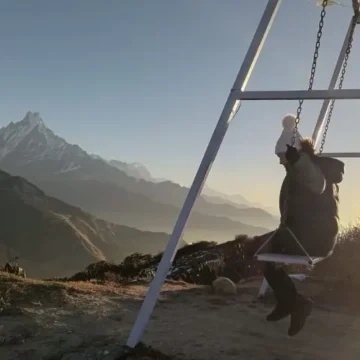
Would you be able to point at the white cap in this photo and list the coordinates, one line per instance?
(285, 138)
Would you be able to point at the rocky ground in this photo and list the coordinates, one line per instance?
(85, 320)
(200, 263)
(90, 315)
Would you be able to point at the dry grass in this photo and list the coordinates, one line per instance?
(36, 313)
(343, 265)
(18, 291)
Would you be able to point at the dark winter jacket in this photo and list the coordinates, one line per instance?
(311, 186)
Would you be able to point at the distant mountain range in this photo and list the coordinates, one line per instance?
(139, 171)
(135, 170)
(117, 191)
(53, 238)
(236, 200)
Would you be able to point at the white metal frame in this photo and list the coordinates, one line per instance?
(348, 94)
(231, 106)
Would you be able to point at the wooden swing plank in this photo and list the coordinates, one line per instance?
(288, 259)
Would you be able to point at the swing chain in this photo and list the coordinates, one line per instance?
(299, 109)
(342, 77)
(313, 68)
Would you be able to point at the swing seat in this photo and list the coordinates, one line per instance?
(305, 259)
(288, 259)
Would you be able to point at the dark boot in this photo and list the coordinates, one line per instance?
(284, 292)
(299, 315)
(280, 312)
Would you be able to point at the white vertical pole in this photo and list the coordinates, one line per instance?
(231, 106)
(326, 104)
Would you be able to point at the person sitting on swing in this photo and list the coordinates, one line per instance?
(311, 192)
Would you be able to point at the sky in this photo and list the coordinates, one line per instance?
(146, 81)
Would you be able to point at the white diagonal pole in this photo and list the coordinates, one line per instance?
(230, 108)
(326, 104)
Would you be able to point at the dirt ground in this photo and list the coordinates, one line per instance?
(88, 321)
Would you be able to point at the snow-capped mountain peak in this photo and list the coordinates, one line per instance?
(13, 134)
(30, 143)
(29, 140)
(32, 119)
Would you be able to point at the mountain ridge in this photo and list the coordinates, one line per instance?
(33, 151)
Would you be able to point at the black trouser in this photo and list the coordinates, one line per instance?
(283, 287)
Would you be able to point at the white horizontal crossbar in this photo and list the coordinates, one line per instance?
(342, 94)
(288, 259)
(342, 154)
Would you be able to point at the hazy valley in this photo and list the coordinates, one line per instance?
(51, 187)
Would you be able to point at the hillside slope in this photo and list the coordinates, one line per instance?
(115, 204)
(53, 238)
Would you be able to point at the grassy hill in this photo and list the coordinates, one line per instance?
(53, 238)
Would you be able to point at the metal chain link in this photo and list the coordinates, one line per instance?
(345, 63)
(313, 69)
(299, 109)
